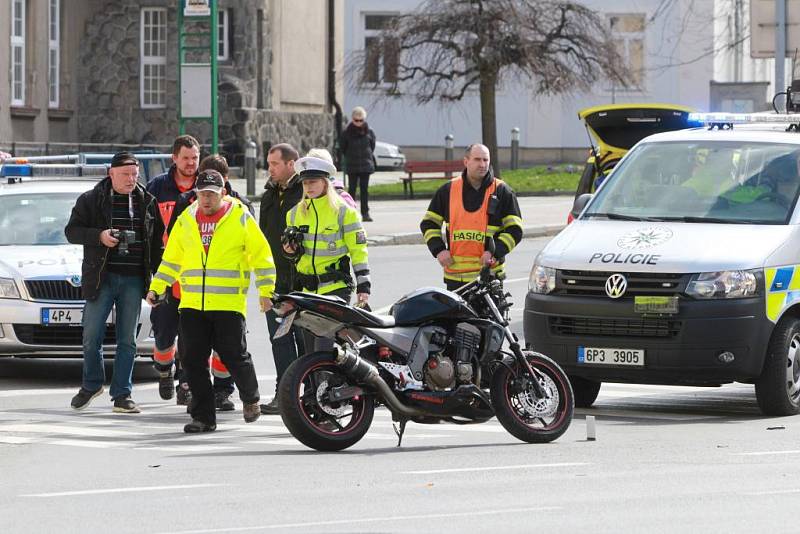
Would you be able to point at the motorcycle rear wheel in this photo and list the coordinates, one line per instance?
(519, 411)
(310, 416)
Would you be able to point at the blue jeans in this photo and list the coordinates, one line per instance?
(124, 292)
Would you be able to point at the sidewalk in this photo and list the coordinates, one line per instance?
(396, 222)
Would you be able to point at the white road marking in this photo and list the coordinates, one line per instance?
(15, 440)
(73, 390)
(764, 453)
(775, 492)
(122, 490)
(401, 518)
(72, 430)
(495, 468)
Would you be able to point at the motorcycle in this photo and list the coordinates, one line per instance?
(438, 357)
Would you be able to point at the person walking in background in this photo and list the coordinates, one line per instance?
(117, 210)
(357, 143)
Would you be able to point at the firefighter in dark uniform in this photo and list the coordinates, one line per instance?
(481, 219)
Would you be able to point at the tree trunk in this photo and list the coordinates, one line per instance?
(488, 87)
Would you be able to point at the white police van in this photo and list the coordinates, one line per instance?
(684, 267)
(41, 306)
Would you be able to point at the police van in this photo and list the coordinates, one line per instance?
(684, 267)
(41, 306)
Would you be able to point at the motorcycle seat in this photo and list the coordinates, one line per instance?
(375, 321)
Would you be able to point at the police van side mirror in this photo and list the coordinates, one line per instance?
(580, 203)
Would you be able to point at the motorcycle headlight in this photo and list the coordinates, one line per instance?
(8, 289)
(723, 285)
(542, 279)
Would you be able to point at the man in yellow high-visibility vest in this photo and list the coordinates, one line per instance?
(214, 245)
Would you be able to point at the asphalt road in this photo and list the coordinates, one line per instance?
(666, 459)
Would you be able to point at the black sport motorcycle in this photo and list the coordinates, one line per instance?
(438, 357)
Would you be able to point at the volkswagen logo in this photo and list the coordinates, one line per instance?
(616, 286)
(74, 280)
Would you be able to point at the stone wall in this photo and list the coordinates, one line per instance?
(109, 109)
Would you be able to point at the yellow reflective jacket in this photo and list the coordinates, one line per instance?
(331, 235)
(217, 280)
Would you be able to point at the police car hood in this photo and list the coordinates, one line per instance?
(663, 247)
(51, 261)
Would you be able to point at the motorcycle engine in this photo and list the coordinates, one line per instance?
(444, 371)
(439, 373)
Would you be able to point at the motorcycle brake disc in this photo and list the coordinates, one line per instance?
(540, 407)
(323, 404)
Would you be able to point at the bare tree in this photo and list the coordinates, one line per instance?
(446, 47)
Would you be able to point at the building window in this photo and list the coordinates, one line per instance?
(153, 75)
(54, 52)
(381, 56)
(18, 53)
(627, 33)
(223, 34)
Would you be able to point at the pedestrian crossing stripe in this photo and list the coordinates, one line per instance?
(158, 428)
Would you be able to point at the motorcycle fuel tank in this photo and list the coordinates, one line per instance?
(429, 303)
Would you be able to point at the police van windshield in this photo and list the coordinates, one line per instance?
(703, 181)
(35, 219)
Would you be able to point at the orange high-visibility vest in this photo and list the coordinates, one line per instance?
(467, 229)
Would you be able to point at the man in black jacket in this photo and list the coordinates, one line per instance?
(115, 222)
(282, 192)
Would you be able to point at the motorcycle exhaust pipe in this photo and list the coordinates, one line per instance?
(363, 371)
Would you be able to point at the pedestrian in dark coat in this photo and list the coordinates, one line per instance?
(357, 143)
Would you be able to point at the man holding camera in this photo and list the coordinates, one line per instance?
(115, 222)
(281, 193)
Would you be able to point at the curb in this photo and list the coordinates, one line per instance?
(415, 238)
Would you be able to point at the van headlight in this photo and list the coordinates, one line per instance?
(542, 279)
(723, 285)
(8, 289)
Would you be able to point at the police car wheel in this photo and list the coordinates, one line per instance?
(585, 391)
(778, 387)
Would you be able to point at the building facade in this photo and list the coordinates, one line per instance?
(106, 71)
(667, 45)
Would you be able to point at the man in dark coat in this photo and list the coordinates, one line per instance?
(281, 193)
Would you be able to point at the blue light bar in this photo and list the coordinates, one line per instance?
(743, 118)
(16, 169)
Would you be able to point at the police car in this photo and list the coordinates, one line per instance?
(40, 272)
(684, 267)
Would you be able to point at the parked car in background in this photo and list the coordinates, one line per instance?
(616, 128)
(41, 306)
(388, 157)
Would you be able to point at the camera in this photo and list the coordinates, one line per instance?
(126, 237)
(293, 235)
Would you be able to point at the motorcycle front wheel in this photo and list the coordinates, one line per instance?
(521, 413)
(304, 398)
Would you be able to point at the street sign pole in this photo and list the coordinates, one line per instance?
(197, 65)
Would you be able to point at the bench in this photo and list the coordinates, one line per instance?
(444, 166)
